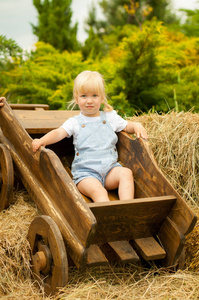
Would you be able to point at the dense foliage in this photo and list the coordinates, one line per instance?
(9, 50)
(121, 12)
(54, 24)
(154, 67)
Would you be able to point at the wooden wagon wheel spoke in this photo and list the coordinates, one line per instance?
(48, 253)
(6, 177)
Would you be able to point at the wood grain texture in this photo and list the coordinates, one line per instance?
(22, 106)
(127, 220)
(45, 238)
(149, 248)
(96, 257)
(173, 242)
(74, 247)
(124, 251)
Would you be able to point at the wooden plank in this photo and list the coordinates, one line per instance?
(96, 257)
(130, 219)
(173, 242)
(149, 248)
(111, 194)
(137, 155)
(28, 106)
(42, 121)
(124, 251)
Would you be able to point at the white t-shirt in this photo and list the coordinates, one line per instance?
(71, 126)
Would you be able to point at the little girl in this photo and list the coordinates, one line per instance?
(95, 168)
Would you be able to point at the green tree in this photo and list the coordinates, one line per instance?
(191, 24)
(54, 24)
(154, 67)
(10, 56)
(94, 46)
(118, 14)
(46, 77)
(8, 49)
(162, 11)
(122, 12)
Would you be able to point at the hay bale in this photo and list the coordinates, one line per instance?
(174, 138)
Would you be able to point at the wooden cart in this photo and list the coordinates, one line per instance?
(152, 226)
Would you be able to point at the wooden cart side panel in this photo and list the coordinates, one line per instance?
(74, 247)
(137, 155)
(173, 242)
(62, 188)
(76, 211)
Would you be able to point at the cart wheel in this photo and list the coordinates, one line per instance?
(6, 177)
(48, 253)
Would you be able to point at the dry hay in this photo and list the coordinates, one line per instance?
(132, 283)
(174, 140)
(14, 247)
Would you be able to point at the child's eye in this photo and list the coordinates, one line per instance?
(95, 95)
(83, 96)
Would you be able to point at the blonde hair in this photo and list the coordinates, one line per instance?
(90, 80)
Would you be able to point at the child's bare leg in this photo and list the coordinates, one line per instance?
(121, 178)
(93, 188)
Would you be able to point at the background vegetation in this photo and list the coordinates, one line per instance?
(148, 58)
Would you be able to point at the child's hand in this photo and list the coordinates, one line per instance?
(137, 129)
(1, 101)
(140, 131)
(36, 144)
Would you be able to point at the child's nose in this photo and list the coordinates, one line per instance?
(89, 99)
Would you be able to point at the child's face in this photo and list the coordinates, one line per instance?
(89, 103)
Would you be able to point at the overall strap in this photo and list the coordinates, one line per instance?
(103, 116)
(79, 119)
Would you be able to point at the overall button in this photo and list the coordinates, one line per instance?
(77, 153)
(83, 125)
(104, 122)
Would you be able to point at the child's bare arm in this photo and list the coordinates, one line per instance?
(51, 137)
(137, 129)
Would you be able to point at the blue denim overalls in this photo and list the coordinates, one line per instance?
(95, 150)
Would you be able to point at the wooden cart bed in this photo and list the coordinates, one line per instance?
(152, 226)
